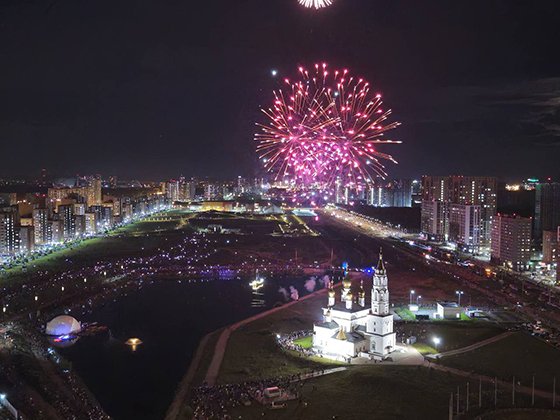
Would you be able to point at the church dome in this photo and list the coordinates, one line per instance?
(63, 325)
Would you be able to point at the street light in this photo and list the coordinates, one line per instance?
(417, 299)
(412, 292)
(459, 293)
(436, 341)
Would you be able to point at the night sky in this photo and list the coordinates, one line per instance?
(154, 89)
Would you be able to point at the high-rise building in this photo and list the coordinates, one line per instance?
(66, 216)
(396, 193)
(79, 209)
(9, 238)
(90, 223)
(80, 224)
(95, 186)
(210, 191)
(550, 245)
(511, 241)
(379, 196)
(41, 226)
(472, 190)
(464, 225)
(435, 220)
(547, 208)
(172, 190)
(26, 238)
(55, 231)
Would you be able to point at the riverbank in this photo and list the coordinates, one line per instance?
(216, 344)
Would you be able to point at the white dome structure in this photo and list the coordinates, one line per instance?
(63, 325)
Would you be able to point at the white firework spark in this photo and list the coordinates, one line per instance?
(317, 4)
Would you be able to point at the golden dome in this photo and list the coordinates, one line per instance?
(331, 293)
(349, 296)
(341, 335)
(347, 282)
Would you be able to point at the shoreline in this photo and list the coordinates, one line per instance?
(212, 372)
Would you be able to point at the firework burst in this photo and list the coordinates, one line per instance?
(323, 129)
(317, 4)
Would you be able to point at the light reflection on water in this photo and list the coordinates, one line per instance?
(170, 317)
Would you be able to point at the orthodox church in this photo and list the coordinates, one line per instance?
(350, 328)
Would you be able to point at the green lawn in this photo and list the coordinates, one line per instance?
(519, 355)
(405, 314)
(305, 342)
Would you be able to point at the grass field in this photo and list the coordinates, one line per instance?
(373, 392)
(305, 342)
(405, 314)
(452, 334)
(133, 239)
(253, 353)
(519, 355)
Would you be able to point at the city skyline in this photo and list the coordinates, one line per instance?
(112, 98)
(248, 209)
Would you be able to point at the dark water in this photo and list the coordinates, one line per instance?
(170, 318)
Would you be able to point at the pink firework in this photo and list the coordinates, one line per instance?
(325, 128)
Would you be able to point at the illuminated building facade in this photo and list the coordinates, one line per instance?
(469, 190)
(511, 241)
(41, 226)
(435, 220)
(464, 225)
(9, 238)
(550, 245)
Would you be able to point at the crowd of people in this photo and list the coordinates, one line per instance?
(209, 402)
(288, 342)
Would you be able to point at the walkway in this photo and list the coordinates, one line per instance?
(471, 347)
(219, 351)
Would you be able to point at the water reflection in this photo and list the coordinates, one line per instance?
(171, 318)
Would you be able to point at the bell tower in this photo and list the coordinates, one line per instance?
(379, 290)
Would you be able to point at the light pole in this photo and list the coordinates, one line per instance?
(418, 299)
(412, 292)
(436, 341)
(459, 293)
